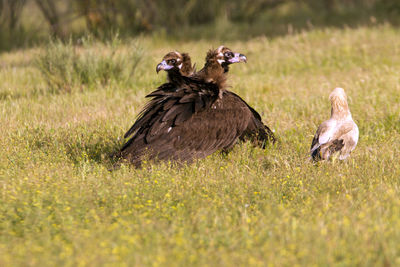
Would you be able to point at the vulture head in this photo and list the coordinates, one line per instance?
(175, 61)
(225, 57)
(217, 64)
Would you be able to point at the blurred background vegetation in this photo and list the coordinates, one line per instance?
(28, 22)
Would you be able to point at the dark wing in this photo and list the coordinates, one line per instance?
(185, 124)
(322, 135)
(256, 130)
(315, 150)
(152, 107)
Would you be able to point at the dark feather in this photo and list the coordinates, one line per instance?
(336, 146)
(191, 118)
(185, 113)
(172, 112)
(316, 151)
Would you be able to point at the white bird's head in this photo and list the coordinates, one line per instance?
(340, 108)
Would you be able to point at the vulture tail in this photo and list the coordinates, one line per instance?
(258, 133)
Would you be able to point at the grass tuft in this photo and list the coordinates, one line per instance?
(88, 64)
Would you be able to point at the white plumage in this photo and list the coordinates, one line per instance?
(339, 134)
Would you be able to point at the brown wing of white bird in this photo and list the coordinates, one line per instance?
(338, 134)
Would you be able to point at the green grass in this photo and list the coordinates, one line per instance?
(65, 66)
(59, 204)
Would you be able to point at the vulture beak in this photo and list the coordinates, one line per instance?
(163, 66)
(238, 58)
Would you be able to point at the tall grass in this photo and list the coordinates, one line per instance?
(88, 64)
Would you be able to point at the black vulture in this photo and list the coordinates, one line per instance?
(193, 116)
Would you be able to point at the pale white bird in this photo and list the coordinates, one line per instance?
(339, 133)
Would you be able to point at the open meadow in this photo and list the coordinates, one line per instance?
(61, 205)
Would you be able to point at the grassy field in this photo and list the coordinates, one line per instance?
(60, 205)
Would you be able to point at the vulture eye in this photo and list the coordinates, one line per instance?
(228, 54)
(171, 61)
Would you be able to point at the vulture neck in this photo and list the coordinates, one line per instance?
(225, 67)
(215, 73)
(340, 110)
(175, 76)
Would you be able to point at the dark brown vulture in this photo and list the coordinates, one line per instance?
(193, 116)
